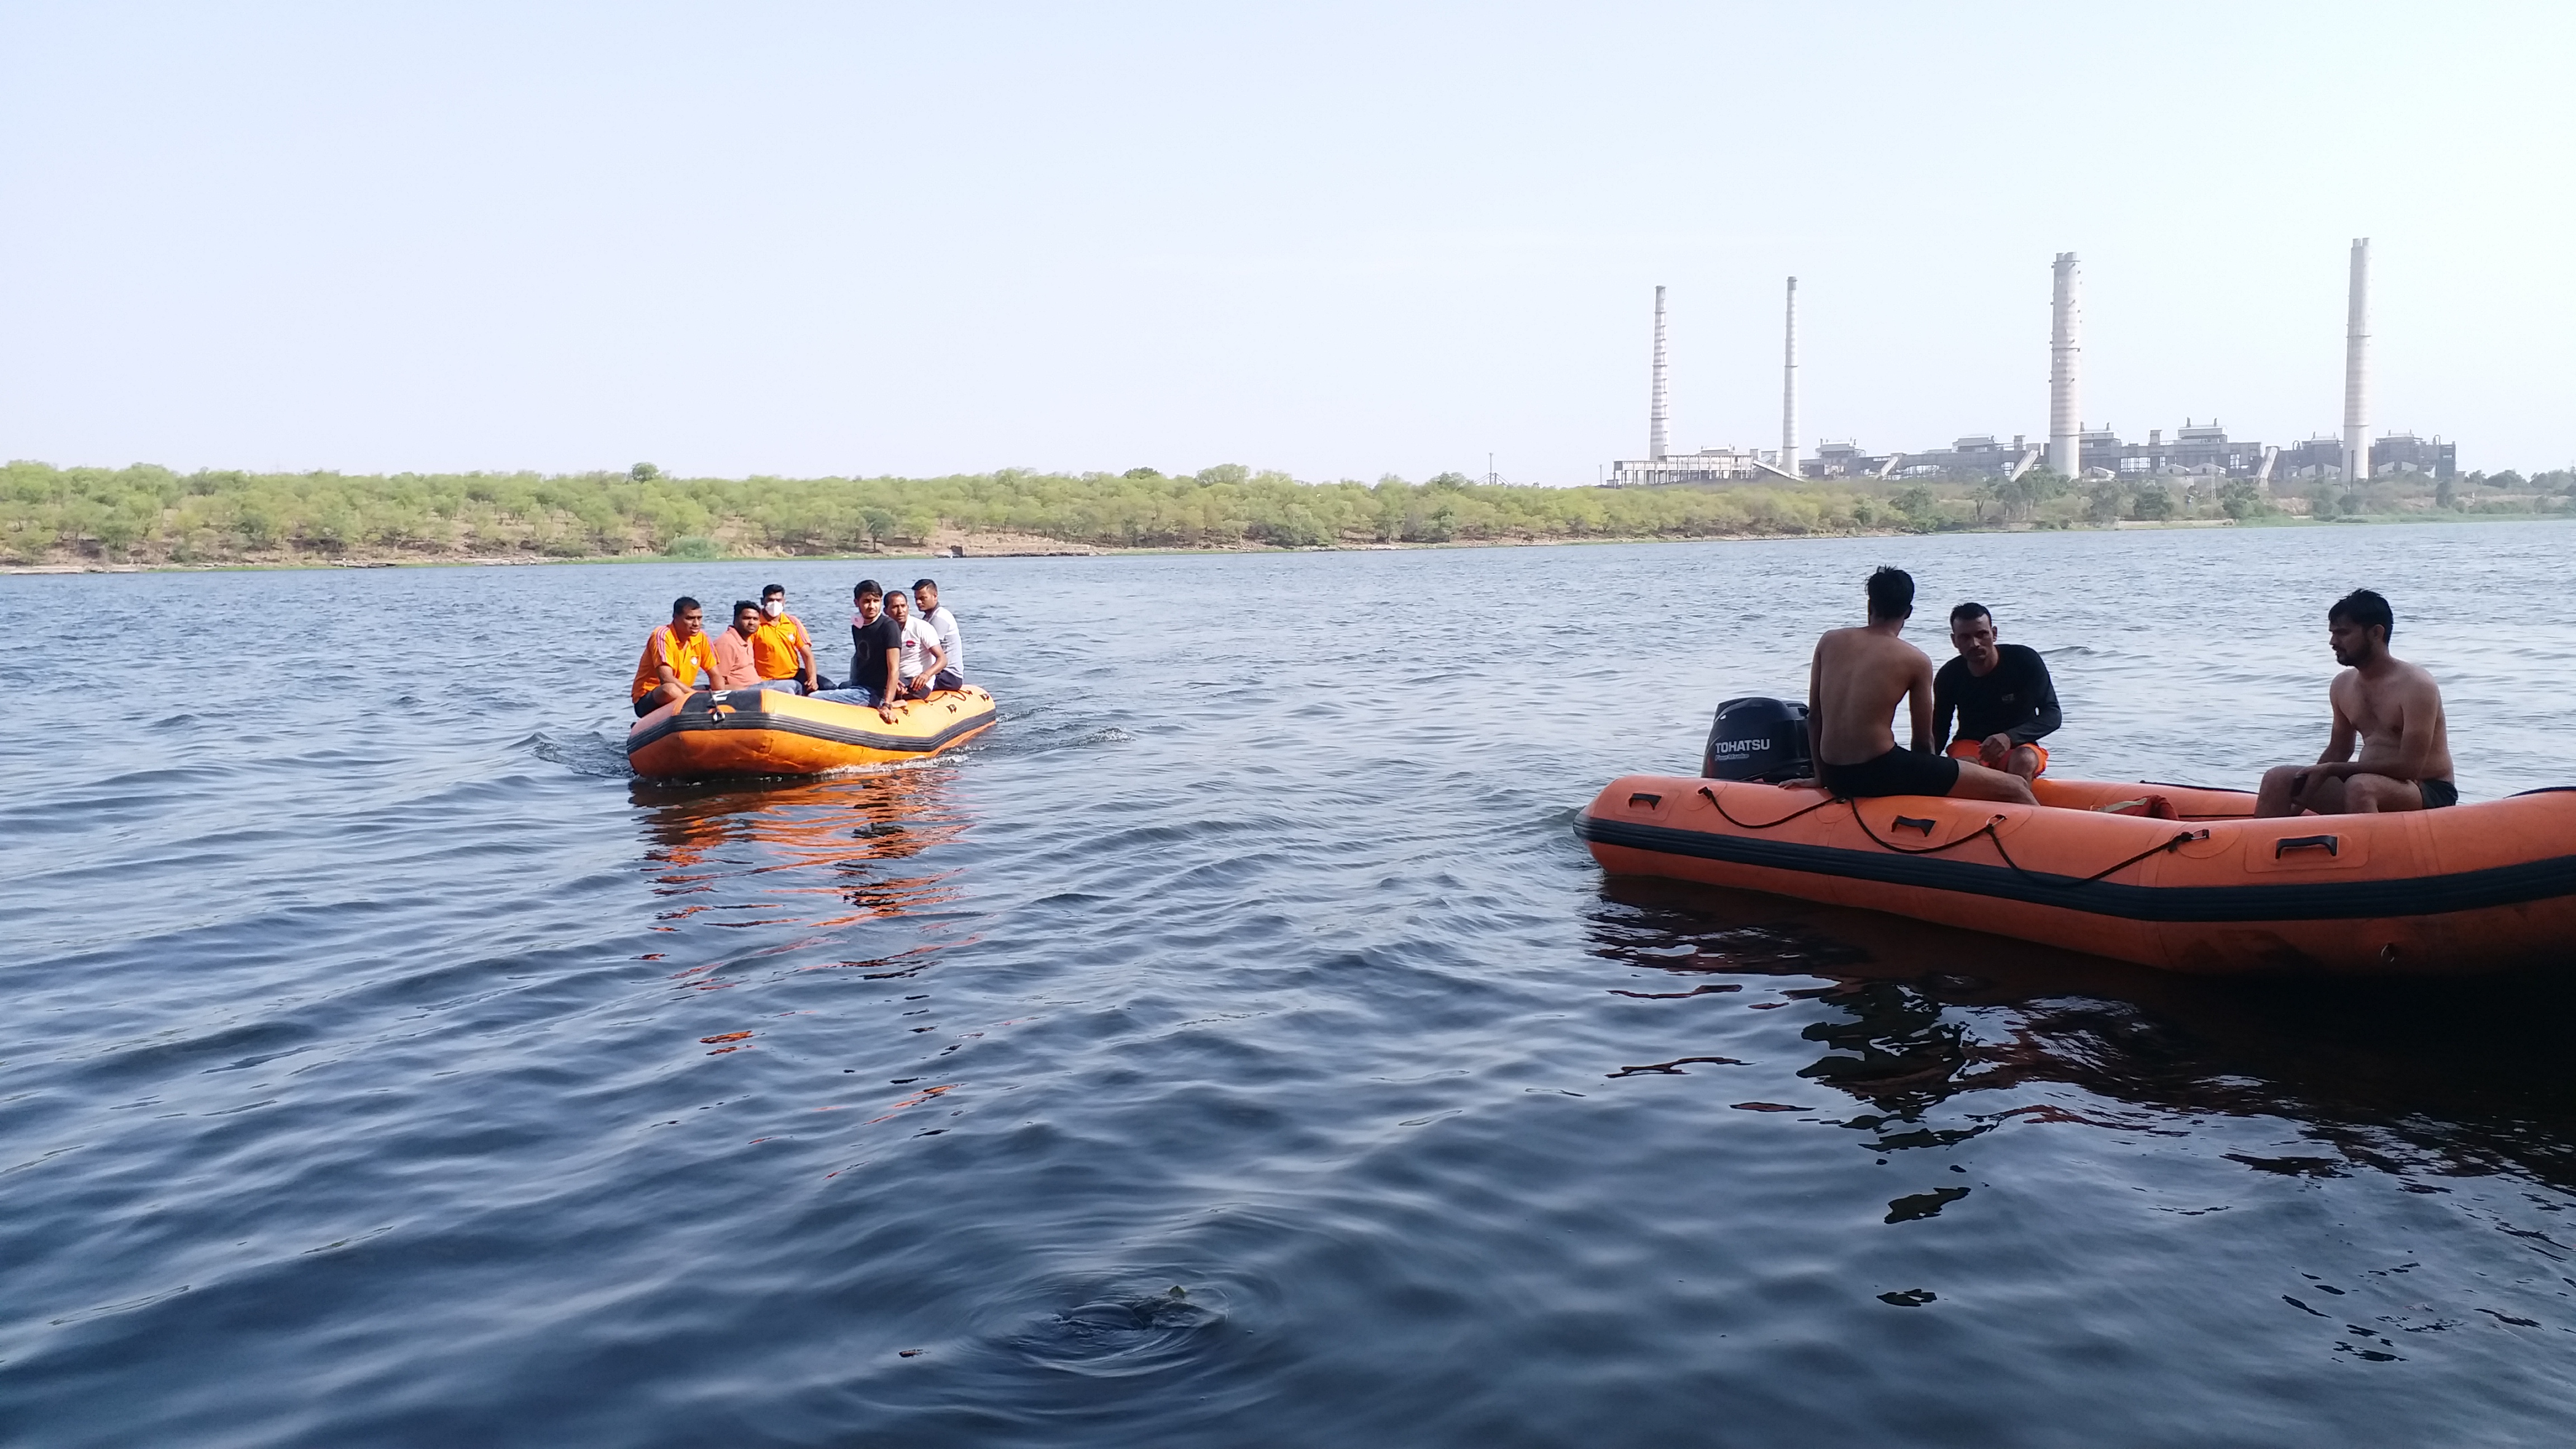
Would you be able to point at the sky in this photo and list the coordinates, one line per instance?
(1339, 240)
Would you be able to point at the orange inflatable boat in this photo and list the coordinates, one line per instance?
(774, 732)
(2469, 888)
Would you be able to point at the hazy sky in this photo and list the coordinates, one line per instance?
(1340, 240)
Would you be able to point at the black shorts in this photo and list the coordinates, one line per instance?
(2438, 793)
(646, 705)
(1898, 772)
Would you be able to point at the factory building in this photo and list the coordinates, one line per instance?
(1977, 456)
(2394, 453)
(1708, 465)
(2195, 450)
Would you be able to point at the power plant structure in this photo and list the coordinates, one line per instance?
(1714, 465)
(1656, 412)
(2197, 450)
(1789, 386)
(2065, 389)
(2356, 367)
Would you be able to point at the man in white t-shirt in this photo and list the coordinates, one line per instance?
(925, 597)
(922, 658)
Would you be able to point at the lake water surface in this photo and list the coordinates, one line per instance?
(1233, 1047)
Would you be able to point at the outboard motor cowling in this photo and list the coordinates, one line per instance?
(1762, 740)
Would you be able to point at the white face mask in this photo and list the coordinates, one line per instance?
(773, 607)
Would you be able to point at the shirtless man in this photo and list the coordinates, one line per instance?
(2393, 706)
(1853, 687)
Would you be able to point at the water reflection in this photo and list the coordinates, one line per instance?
(817, 857)
(2418, 1079)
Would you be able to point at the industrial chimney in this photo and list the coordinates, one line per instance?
(2356, 370)
(1656, 416)
(1789, 388)
(2065, 391)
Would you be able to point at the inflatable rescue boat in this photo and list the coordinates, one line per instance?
(2213, 890)
(775, 732)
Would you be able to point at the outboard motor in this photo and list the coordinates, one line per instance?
(1762, 740)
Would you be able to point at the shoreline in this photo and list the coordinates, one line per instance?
(1025, 546)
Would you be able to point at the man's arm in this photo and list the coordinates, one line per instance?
(670, 677)
(805, 655)
(1918, 695)
(1943, 707)
(1816, 708)
(2332, 761)
(2043, 697)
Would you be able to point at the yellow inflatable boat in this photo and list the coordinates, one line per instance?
(774, 732)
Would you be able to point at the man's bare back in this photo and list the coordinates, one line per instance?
(1855, 682)
(2391, 709)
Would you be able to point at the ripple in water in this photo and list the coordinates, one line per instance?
(593, 755)
(1123, 1328)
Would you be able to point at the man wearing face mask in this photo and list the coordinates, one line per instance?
(781, 650)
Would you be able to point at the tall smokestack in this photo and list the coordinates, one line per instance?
(2356, 369)
(1789, 388)
(2065, 388)
(1656, 415)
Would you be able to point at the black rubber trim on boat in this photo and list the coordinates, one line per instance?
(2342, 900)
(788, 724)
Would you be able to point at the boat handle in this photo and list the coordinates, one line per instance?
(1651, 800)
(2290, 843)
(1908, 822)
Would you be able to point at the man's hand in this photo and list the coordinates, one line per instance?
(885, 712)
(1995, 750)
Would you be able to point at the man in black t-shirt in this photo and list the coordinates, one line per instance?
(2002, 694)
(876, 653)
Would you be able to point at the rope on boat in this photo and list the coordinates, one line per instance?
(1771, 825)
(2180, 839)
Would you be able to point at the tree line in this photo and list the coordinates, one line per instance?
(148, 514)
(152, 514)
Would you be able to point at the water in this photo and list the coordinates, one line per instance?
(1233, 1047)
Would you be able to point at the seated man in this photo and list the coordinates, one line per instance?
(922, 656)
(674, 655)
(1856, 681)
(737, 652)
(2395, 709)
(952, 644)
(2005, 701)
(782, 651)
(876, 654)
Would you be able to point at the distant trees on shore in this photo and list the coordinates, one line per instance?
(151, 514)
(147, 514)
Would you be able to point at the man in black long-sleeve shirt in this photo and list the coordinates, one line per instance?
(2001, 694)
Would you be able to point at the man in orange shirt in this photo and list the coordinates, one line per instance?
(673, 657)
(782, 650)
